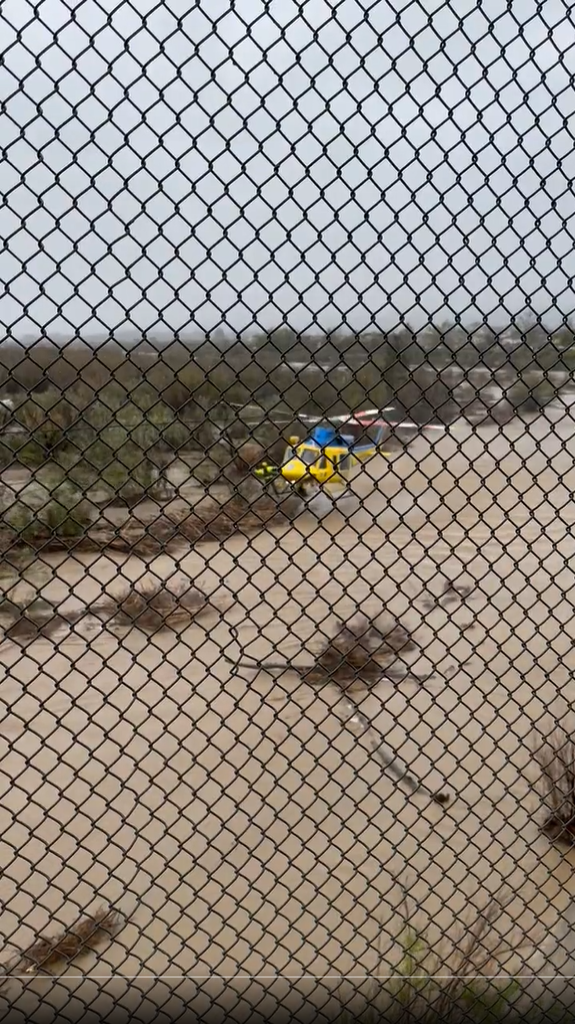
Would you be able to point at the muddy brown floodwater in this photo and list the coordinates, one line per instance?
(247, 830)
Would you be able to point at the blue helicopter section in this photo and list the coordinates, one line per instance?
(329, 437)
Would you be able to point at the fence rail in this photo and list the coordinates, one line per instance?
(286, 509)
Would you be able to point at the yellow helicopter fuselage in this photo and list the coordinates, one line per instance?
(325, 465)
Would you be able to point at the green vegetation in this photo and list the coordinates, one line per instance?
(87, 410)
(427, 990)
(171, 384)
(455, 979)
(113, 422)
(47, 515)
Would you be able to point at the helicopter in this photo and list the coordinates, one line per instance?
(332, 449)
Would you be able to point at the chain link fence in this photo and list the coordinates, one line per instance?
(286, 509)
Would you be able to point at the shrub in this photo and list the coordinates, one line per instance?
(554, 756)
(211, 464)
(47, 419)
(41, 514)
(154, 606)
(18, 450)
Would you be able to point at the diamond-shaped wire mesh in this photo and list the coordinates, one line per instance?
(286, 509)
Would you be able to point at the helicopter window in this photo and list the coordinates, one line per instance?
(344, 462)
(289, 455)
(322, 462)
(308, 455)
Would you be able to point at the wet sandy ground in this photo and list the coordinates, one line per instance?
(243, 826)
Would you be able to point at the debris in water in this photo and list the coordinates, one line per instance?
(46, 953)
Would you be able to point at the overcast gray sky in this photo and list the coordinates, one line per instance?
(215, 160)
